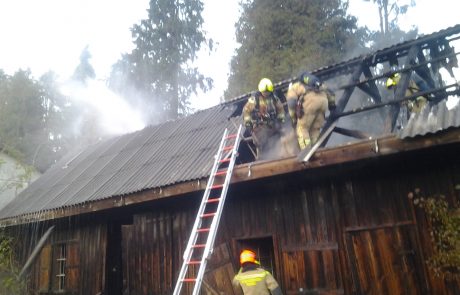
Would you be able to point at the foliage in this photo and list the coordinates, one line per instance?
(444, 223)
(84, 70)
(9, 269)
(24, 171)
(32, 118)
(389, 12)
(160, 68)
(279, 39)
(390, 33)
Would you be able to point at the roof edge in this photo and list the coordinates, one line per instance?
(366, 149)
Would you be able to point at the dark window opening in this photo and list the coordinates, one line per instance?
(263, 247)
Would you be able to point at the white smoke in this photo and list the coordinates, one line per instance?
(112, 113)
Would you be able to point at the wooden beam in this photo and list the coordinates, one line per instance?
(342, 103)
(373, 89)
(310, 247)
(351, 133)
(402, 86)
(378, 226)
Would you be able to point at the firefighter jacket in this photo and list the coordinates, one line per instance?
(257, 282)
(260, 110)
(415, 105)
(295, 97)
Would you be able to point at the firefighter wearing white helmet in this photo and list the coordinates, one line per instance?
(263, 114)
(307, 100)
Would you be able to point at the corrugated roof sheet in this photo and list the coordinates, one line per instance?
(173, 152)
(170, 153)
(431, 120)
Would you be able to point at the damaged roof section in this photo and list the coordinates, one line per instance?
(431, 120)
(156, 156)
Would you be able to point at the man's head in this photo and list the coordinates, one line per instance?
(393, 80)
(265, 87)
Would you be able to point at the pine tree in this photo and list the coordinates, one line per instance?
(34, 118)
(84, 70)
(160, 67)
(279, 39)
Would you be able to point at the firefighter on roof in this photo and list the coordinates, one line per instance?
(416, 84)
(263, 114)
(253, 279)
(307, 100)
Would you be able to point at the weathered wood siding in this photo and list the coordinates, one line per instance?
(85, 260)
(334, 231)
(345, 229)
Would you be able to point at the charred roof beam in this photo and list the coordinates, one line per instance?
(403, 84)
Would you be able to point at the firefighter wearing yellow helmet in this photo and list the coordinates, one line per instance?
(253, 279)
(416, 84)
(263, 114)
(308, 100)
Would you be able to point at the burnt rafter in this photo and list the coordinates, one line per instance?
(434, 44)
(424, 56)
(403, 84)
(441, 92)
(370, 88)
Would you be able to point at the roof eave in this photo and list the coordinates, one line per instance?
(366, 149)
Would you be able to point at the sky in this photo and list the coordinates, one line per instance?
(50, 34)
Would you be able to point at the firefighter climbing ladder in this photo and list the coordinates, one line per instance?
(201, 242)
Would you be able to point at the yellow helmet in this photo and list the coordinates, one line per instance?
(247, 256)
(265, 85)
(393, 80)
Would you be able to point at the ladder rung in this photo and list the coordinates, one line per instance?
(201, 236)
(214, 200)
(208, 214)
(221, 172)
(202, 230)
(189, 280)
(199, 246)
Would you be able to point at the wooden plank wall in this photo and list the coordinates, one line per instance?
(86, 245)
(347, 229)
(338, 231)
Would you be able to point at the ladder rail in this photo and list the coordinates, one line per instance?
(225, 154)
(223, 196)
(208, 188)
(194, 236)
(216, 220)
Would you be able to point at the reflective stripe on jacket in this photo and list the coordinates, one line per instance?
(259, 110)
(257, 282)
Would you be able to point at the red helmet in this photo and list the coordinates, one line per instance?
(247, 256)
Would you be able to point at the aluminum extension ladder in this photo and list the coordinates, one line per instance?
(202, 237)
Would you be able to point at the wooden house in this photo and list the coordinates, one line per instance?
(339, 223)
